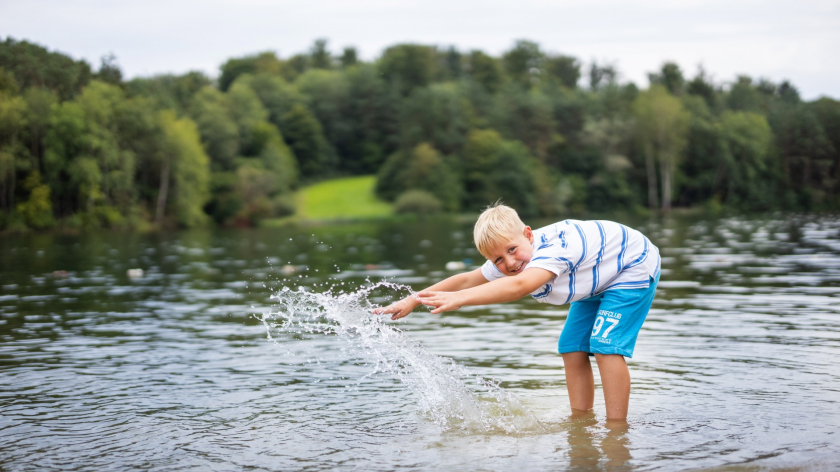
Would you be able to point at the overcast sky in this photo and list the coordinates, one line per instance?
(798, 41)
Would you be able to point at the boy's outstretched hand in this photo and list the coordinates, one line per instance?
(440, 301)
(399, 309)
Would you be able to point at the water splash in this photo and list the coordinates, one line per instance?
(446, 392)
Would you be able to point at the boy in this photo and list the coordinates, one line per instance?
(607, 271)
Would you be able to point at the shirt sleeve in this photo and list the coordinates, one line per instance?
(491, 272)
(558, 261)
(553, 258)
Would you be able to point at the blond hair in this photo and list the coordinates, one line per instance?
(497, 223)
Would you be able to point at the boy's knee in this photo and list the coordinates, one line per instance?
(576, 357)
(609, 361)
(609, 357)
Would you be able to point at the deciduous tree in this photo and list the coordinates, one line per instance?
(662, 126)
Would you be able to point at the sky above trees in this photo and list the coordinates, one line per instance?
(777, 40)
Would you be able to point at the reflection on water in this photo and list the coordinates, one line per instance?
(734, 370)
(589, 450)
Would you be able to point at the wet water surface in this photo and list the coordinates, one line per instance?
(238, 349)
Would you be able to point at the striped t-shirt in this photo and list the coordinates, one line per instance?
(588, 257)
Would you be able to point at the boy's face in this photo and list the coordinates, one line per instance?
(511, 256)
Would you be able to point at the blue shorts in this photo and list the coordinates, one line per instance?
(607, 323)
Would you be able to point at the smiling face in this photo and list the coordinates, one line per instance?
(511, 256)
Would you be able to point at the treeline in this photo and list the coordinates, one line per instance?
(441, 128)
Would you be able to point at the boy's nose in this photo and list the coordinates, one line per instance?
(510, 261)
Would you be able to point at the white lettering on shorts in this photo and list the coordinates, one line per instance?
(610, 314)
(608, 317)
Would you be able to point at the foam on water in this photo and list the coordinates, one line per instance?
(446, 392)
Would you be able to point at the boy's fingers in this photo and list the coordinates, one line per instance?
(433, 301)
(385, 310)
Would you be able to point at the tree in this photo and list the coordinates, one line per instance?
(565, 69)
(743, 96)
(140, 133)
(219, 132)
(104, 169)
(35, 66)
(275, 156)
(355, 112)
(481, 153)
(701, 85)
(12, 151)
(109, 70)
(421, 168)
(827, 111)
(749, 140)
(600, 75)
(568, 113)
(786, 92)
(39, 107)
(8, 84)
(497, 169)
(450, 65)
(37, 210)
(295, 66)
(88, 166)
(64, 141)
(263, 182)
(264, 62)
(608, 141)
(437, 115)
(371, 118)
(661, 129)
(305, 137)
(703, 171)
(408, 66)
(276, 95)
(169, 91)
(524, 62)
(670, 77)
(246, 110)
(326, 95)
(485, 70)
(611, 137)
(349, 57)
(320, 57)
(805, 152)
(186, 167)
(527, 116)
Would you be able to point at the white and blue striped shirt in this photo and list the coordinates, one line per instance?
(588, 257)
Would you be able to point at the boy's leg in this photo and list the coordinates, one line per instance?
(617, 324)
(615, 378)
(579, 380)
(574, 347)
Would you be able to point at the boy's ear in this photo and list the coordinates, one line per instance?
(529, 234)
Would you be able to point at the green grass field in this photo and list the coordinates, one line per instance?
(344, 198)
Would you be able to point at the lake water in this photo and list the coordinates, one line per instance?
(205, 362)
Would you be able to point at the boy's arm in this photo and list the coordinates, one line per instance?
(501, 290)
(455, 283)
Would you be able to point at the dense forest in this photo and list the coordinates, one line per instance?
(441, 128)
